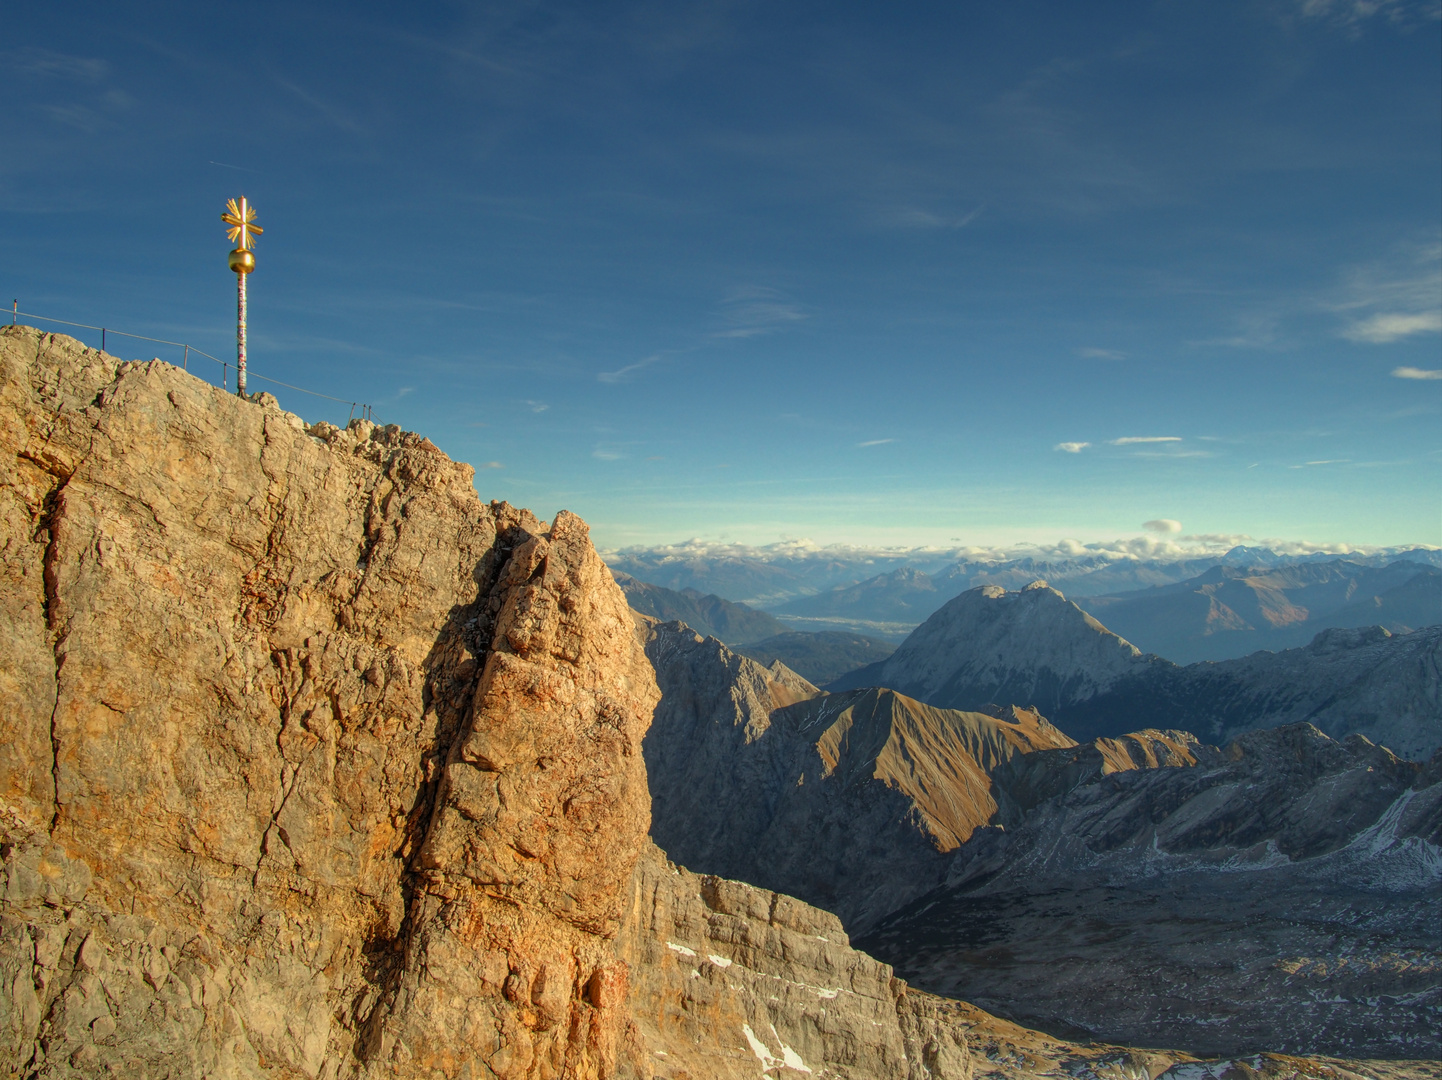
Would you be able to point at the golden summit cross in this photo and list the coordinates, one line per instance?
(239, 216)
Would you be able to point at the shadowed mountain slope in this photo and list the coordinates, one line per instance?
(1286, 890)
(820, 657)
(850, 801)
(732, 623)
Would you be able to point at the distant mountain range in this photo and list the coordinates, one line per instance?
(1229, 611)
(1186, 610)
(778, 576)
(1036, 648)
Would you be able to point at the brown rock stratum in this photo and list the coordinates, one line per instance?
(316, 766)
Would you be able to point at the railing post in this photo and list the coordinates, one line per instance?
(187, 358)
(14, 311)
(102, 339)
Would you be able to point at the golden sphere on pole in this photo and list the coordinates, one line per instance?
(242, 261)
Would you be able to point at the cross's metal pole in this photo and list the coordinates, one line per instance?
(240, 334)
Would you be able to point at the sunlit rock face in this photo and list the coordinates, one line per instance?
(315, 764)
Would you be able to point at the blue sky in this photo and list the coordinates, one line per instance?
(878, 274)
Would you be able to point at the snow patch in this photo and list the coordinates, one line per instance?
(680, 949)
(789, 1058)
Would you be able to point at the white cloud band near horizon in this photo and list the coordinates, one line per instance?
(1416, 373)
(875, 442)
(1137, 547)
(1132, 440)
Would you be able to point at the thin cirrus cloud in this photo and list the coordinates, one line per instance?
(1416, 373)
(629, 371)
(875, 442)
(1350, 13)
(1125, 440)
(915, 218)
(535, 406)
(1163, 525)
(1101, 354)
(1389, 326)
(756, 310)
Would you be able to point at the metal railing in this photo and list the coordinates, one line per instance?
(356, 407)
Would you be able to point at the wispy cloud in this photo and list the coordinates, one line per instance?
(1101, 354)
(1071, 447)
(404, 390)
(1395, 298)
(1416, 373)
(1132, 440)
(1163, 525)
(490, 465)
(628, 372)
(333, 115)
(35, 62)
(915, 218)
(875, 442)
(535, 406)
(1351, 13)
(1390, 326)
(606, 453)
(1324, 461)
(754, 310)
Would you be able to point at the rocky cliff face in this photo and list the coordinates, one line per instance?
(732, 981)
(1285, 891)
(315, 765)
(1035, 648)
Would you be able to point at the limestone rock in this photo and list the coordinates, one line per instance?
(316, 765)
(733, 981)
